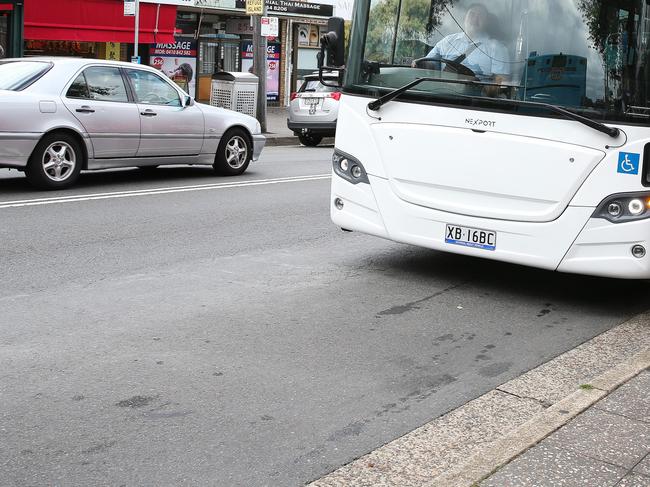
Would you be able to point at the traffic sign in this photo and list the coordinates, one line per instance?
(254, 7)
(269, 27)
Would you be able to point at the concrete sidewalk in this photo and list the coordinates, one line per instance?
(582, 419)
(607, 445)
(277, 133)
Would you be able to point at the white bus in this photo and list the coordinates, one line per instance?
(514, 130)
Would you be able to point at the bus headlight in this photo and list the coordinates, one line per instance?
(621, 208)
(636, 207)
(349, 168)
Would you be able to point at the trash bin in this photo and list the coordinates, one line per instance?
(235, 91)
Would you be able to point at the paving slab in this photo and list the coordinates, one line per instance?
(643, 467)
(606, 437)
(550, 466)
(634, 480)
(631, 400)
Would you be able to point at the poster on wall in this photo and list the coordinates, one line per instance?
(178, 62)
(303, 35)
(272, 67)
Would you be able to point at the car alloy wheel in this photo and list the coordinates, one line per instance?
(236, 152)
(59, 161)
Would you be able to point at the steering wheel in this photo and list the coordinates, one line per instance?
(436, 64)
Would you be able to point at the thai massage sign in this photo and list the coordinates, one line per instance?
(294, 7)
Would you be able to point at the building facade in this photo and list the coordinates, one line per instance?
(189, 40)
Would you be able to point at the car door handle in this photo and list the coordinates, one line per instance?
(148, 113)
(85, 109)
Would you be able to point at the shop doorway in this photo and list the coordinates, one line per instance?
(216, 55)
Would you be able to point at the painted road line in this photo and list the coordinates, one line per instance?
(158, 191)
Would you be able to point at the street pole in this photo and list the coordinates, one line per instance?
(137, 28)
(259, 64)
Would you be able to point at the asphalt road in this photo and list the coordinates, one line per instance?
(226, 333)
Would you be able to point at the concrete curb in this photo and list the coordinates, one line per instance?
(468, 444)
(291, 140)
(482, 464)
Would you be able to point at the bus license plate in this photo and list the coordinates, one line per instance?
(471, 237)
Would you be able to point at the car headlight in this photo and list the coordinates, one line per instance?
(625, 207)
(349, 168)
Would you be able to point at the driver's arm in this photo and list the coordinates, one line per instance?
(435, 52)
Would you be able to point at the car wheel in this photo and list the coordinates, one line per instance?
(55, 163)
(310, 140)
(234, 153)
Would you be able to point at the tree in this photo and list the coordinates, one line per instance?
(417, 20)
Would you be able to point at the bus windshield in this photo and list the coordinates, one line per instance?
(587, 56)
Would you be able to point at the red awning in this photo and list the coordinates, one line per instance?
(97, 21)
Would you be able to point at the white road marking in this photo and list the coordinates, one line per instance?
(157, 191)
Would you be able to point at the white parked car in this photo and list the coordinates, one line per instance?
(64, 115)
(313, 111)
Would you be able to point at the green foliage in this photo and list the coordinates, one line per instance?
(417, 20)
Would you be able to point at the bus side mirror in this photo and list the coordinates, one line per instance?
(332, 50)
(334, 42)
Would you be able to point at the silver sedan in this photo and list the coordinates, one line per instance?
(59, 116)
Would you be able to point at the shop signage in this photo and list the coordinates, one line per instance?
(178, 61)
(113, 51)
(269, 27)
(239, 26)
(310, 34)
(214, 3)
(129, 8)
(182, 3)
(293, 7)
(272, 67)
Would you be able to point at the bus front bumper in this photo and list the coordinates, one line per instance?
(574, 242)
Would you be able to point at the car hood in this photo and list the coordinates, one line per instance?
(230, 117)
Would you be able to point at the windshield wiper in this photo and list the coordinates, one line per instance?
(379, 102)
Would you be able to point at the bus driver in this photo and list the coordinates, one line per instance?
(474, 48)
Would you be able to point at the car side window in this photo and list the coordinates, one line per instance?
(78, 88)
(105, 83)
(152, 89)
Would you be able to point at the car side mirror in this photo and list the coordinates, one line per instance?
(187, 101)
(332, 51)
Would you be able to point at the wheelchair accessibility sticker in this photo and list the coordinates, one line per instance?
(628, 163)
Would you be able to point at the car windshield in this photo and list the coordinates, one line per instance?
(588, 56)
(17, 75)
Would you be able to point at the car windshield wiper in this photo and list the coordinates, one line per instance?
(601, 127)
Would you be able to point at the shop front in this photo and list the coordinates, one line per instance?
(220, 32)
(11, 28)
(224, 36)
